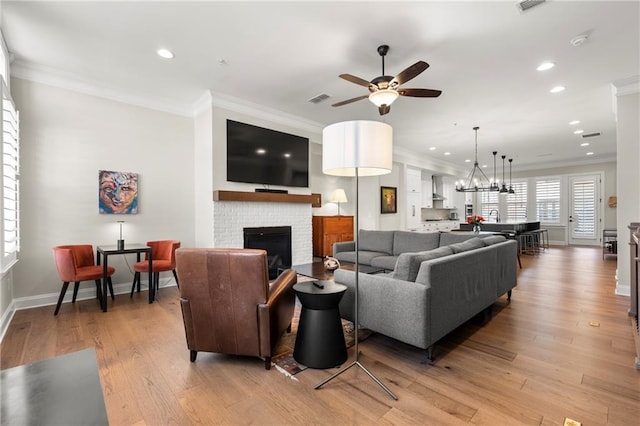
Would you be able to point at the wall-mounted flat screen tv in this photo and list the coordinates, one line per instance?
(267, 157)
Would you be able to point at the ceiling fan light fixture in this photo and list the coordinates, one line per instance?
(383, 97)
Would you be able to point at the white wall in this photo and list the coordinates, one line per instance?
(66, 137)
(628, 144)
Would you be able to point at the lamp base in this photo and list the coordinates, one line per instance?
(120, 244)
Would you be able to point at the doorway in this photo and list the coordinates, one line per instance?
(584, 209)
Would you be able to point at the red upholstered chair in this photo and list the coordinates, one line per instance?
(228, 305)
(164, 259)
(75, 263)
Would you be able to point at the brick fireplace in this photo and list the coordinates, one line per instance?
(231, 217)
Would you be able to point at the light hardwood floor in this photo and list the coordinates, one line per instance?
(536, 361)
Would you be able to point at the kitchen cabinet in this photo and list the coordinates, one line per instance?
(453, 199)
(414, 181)
(413, 211)
(427, 191)
(328, 230)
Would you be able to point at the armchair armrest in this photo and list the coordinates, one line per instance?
(276, 313)
(344, 246)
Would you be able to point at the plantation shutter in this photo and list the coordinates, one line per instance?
(517, 203)
(548, 200)
(584, 207)
(489, 202)
(9, 180)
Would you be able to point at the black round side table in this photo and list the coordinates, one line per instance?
(320, 339)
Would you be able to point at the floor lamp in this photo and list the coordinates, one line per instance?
(357, 148)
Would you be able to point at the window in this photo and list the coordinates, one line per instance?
(490, 201)
(548, 200)
(517, 203)
(9, 201)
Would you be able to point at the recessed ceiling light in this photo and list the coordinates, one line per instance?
(545, 66)
(584, 144)
(467, 161)
(447, 153)
(261, 151)
(287, 155)
(557, 89)
(165, 53)
(577, 132)
(574, 122)
(590, 153)
(484, 166)
(433, 148)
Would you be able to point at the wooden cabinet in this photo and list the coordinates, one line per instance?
(328, 230)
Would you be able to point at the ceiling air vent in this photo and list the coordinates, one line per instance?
(590, 135)
(317, 99)
(528, 4)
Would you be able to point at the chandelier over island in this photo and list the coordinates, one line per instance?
(477, 180)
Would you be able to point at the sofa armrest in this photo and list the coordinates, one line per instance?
(344, 246)
(395, 308)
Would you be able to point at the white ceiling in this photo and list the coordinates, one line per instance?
(482, 55)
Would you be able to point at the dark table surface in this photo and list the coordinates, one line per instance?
(64, 390)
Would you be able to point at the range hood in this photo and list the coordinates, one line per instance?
(437, 189)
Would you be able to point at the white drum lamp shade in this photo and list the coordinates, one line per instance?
(365, 146)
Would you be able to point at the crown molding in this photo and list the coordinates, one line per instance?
(230, 103)
(626, 86)
(64, 80)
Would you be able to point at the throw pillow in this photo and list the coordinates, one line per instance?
(493, 239)
(471, 244)
(416, 260)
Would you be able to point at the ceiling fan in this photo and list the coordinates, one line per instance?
(385, 89)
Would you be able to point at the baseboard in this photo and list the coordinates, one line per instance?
(6, 319)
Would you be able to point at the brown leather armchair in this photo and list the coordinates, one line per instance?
(228, 305)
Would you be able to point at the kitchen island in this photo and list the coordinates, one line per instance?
(515, 227)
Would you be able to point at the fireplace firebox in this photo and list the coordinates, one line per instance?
(276, 240)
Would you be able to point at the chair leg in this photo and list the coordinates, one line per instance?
(76, 285)
(156, 281)
(193, 355)
(65, 285)
(99, 291)
(176, 277)
(111, 288)
(267, 363)
(136, 280)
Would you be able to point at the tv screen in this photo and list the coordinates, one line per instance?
(268, 157)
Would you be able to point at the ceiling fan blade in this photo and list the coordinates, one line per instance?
(384, 109)
(356, 80)
(409, 73)
(348, 101)
(420, 93)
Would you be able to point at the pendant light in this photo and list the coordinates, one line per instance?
(503, 189)
(511, 191)
(477, 181)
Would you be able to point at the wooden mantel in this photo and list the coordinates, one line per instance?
(265, 197)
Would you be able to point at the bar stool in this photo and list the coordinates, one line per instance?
(527, 243)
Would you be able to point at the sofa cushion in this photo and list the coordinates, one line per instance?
(377, 241)
(493, 239)
(408, 264)
(448, 238)
(411, 242)
(470, 244)
(364, 256)
(386, 262)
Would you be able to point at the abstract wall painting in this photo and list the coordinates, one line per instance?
(117, 192)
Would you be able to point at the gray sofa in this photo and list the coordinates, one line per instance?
(382, 248)
(432, 292)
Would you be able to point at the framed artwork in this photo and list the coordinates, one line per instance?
(117, 192)
(388, 199)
